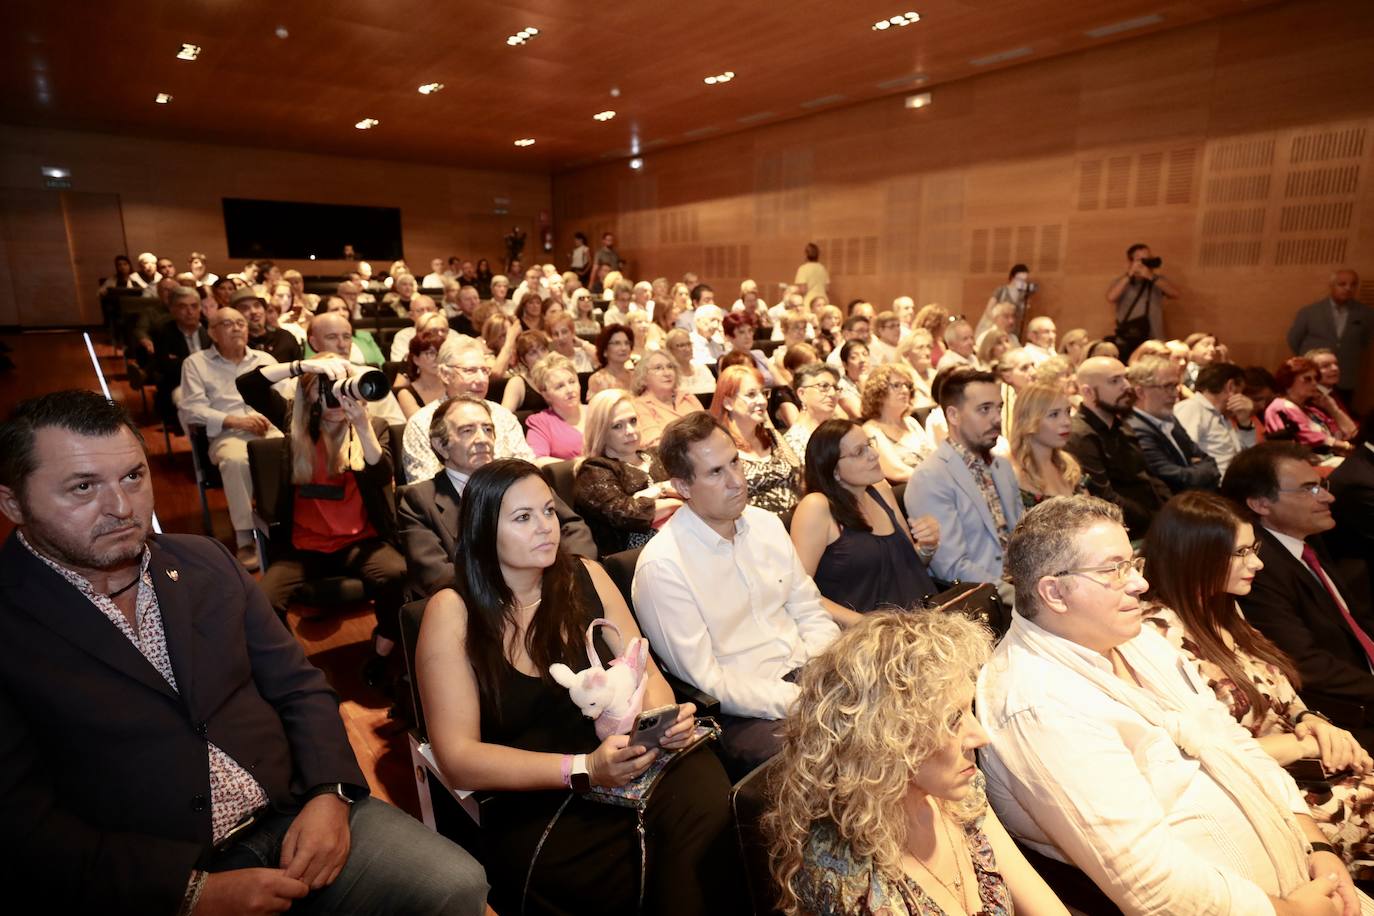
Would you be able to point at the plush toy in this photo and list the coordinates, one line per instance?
(612, 696)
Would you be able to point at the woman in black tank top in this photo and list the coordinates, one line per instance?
(498, 722)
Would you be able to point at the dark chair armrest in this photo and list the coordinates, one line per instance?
(706, 704)
(1345, 713)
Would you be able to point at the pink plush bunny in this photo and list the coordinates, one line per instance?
(612, 696)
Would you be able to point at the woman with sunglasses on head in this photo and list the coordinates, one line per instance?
(1200, 556)
(901, 442)
(850, 533)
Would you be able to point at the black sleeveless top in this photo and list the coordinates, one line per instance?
(864, 571)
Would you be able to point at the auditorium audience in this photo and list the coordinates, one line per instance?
(817, 388)
(365, 350)
(958, 338)
(263, 335)
(971, 493)
(332, 333)
(722, 595)
(849, 531)
(621, 487)
(695, 377)
(520, 392)
(900, 441)
(498, 721)
(1074, 345)
(990, 348)
(418, 306)
(1108, 753)
(1040, 428)
(999, 316)
(1218, 417)
(1202, 352)
(885, 812)
(1315, 610)
(885, 338)
(1313, 417)
(1137, 297)
(915, 349)
(1171, 455)
(1340, 323)
(1040, 339)
(563, 339)
(772, 471)
(1200, 557)
(707, 335)
(1352, 487)
(613, 350)
(659, 398)
(464, 370)
(284, 312)
(173, 342)
(556, 431)
(1107, 451)
(423, 383)
(853, 366)
(738, 329)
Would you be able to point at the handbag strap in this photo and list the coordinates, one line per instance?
(592, 658)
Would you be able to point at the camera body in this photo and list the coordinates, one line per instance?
(362, 384)
(1152, 263)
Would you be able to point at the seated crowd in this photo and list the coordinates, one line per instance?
(1161, 702)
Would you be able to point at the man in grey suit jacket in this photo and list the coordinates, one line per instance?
(463, 436)
(970, 492)
(1339, 323)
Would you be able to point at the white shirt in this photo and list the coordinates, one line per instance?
(400, 344)
(458, 479)
(418, 460)
(1295, 547)
(700, 381)
(208, 389)
(1081, 777)
(1167, 428)
(706, 351)
(1038, 354)
(1211, 430)
(432, 281)
(880, 352)
(949, 359)
(732, 617)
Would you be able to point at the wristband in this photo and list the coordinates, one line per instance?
(565, 767)
(1321, 847)
(1311, 712)
(295, 368)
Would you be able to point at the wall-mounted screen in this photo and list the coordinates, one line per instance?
(299, 231)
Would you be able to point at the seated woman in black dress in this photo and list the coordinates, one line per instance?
(849, 531)
(498, 722)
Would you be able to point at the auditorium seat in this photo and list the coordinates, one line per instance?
(206, 471)
(749, 799)
(561, 477)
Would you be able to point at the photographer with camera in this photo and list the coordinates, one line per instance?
(1138, 296)
(1017, 290)
(335, 499)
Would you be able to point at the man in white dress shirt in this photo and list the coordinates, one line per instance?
(722, 595)
(959, 345)
(708, 341)
(1110, 751)
(1041, 336)
(1218, 417)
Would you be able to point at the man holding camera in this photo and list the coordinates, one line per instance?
(1138, 296)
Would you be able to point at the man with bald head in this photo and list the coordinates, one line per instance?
(1105, 447)
(1041, 335)
(333, 333)
(210, 398)
(1339, 323)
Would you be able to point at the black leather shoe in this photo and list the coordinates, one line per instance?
(377, 673)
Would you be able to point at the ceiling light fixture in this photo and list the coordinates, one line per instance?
(603, 116)
(906, 19)
(367, 123)
(188, 51)
(525, 141)
(430, 88)
(636, 163)
(163, 98)
(719, 78)
(1001, 57)
(918, 101)
(1125, 25)
(522, 36)
(282, 32)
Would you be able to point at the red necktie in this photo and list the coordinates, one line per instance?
(1309, 556)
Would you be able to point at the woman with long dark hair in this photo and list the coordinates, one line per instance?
(499, 722)
(1200, 556)
(849, 530)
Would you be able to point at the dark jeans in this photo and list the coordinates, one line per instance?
(395, 865)
(376, 562)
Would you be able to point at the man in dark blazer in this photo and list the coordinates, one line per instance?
(172, 343)
(1315, 611)
(1352, 485)
(165, 746)
(1170, 454)
(463, 436)
(1339, 323)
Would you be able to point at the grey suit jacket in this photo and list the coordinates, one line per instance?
(1315, 327)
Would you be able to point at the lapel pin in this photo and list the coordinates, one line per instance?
(173, 575)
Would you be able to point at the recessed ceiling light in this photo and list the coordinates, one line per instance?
(522, 36)
(719, 78)
(430, 88)
(525, 141)
(367, 123)
(918, 101)
(163, 98)
(54, 172)
(636, 163)
(900, 21)
(603, 116)
(188, 51)
(281, 32)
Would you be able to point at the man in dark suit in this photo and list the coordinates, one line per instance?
(172, 343)
(1317, 613)
(463, 436)
(1339, 323)
(166, 746)
(1352, 485)
(1170, 454)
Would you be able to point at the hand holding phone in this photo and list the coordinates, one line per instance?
(652, 724)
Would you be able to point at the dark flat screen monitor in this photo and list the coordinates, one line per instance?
(299, 231)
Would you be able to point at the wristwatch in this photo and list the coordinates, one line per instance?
(335, 789)
(580, 779)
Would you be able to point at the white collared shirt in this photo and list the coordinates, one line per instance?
(1295, 547)
(209, 391)
(1081, 777)
(1212, 431)
(1039, 354)
(418, 460)
(458, 479)
(733, 617)
(1166, 427)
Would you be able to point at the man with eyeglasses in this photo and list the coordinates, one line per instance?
(1317, 611)
(464, 369)
(210, 398)
(1109, 752)
(1170, 453)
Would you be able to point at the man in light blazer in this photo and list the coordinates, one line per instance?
(970, 492)
(1339, 323)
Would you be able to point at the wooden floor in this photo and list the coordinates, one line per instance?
(338, 645)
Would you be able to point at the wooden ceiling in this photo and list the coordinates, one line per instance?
(99, 65)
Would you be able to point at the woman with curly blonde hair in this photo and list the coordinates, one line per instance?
(879, 806)
(887, 397)
(1040, 425)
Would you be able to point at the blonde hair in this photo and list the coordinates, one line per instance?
(873, 708)
(640, 379)
(345, 450)
(877, 388)
(597, 425)
(546, 366)
(1028, 412)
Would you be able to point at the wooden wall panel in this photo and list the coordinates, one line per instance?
(1241, 149)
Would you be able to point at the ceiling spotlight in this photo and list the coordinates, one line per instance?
(430, 88)
(367, 123)
(163, 98)
(918, 101)
(525, 141)
(522, 36)
(636, 163)
(603, 116)
(281, 32)
(615, 92)
(188, 51)
(719, 78)
(904, 19)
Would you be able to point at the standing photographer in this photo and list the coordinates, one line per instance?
(1138, 296)
(336, 500)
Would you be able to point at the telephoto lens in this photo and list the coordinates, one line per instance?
(365, 386)
(1152, 263)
